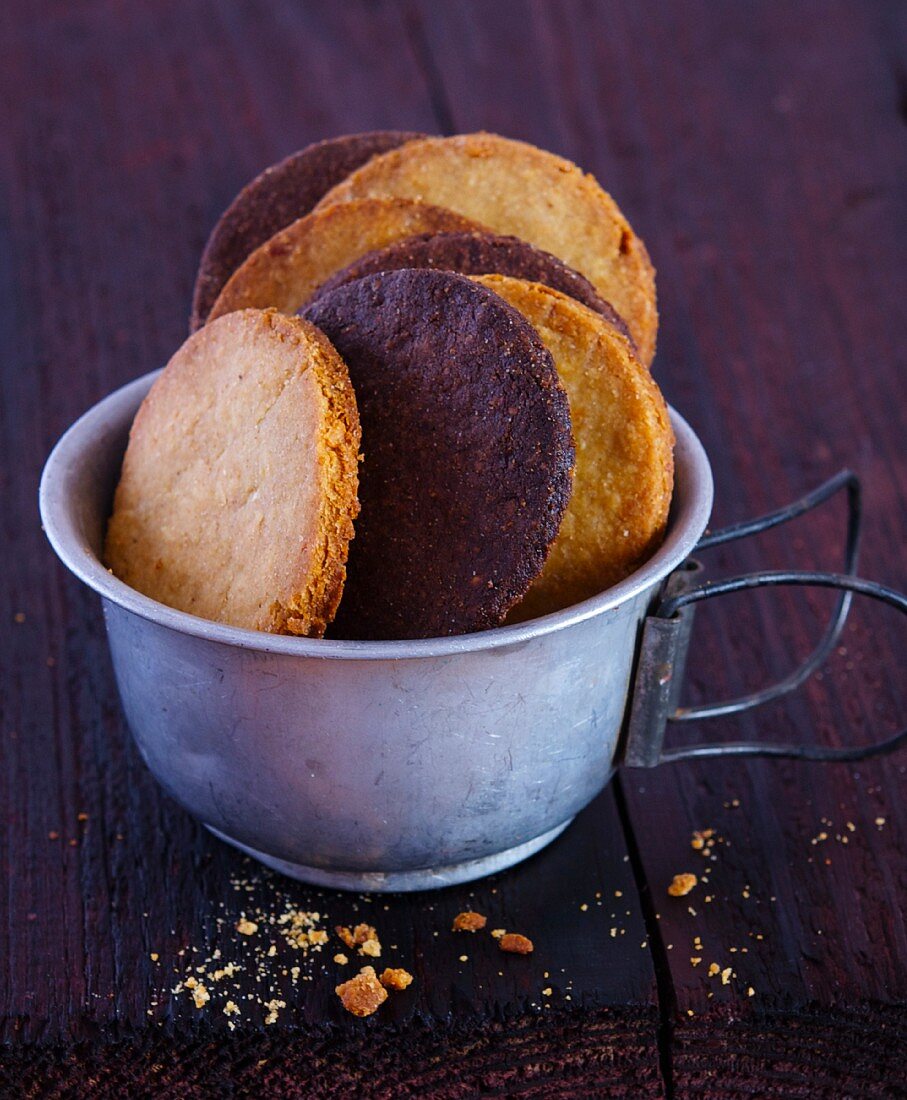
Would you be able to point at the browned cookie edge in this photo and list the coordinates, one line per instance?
(276, 197)
(479, 254)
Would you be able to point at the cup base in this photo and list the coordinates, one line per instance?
(378, 882)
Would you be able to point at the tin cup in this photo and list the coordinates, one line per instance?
(379, 766)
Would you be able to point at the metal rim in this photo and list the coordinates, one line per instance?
(693, 505)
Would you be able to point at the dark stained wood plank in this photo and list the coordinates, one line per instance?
(486, 1013)
(761, 156)
(759, 150)
(119, 152)
(125, 131)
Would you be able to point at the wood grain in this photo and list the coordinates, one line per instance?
(760, 151)
(764, 163)
(114, 177)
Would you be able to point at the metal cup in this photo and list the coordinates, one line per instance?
(398, 765)
(366, 765)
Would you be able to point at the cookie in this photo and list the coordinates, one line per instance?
(624, 450)
(467, 453)
(287, 269)
(477, 254)
(281, 194)
(238, 490)
(512, 187)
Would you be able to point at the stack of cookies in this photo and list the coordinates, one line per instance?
(416, 400)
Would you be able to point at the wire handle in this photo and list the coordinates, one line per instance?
(667, 631)
(845, 479)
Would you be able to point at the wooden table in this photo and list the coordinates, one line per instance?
(760, 151)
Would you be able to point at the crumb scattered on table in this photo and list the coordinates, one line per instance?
(395, 977)
(682, 884)
(516, 944)
(469, 922)
(363, 994)
(363, 936)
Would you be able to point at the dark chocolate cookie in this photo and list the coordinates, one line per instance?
(478, 254)
(281, 194)
(468, 453)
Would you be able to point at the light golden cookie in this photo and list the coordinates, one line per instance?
(285, 270)
(512, 187)
(624, 450)
(239, 485)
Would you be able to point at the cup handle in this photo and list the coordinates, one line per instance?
(666, 635)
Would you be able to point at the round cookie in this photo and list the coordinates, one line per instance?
(238, 490)
(477, 254)
(624, 450)
(287, 269)
(281, 194)
(467, 453)
(512, 187)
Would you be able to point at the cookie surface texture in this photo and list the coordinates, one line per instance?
(515, 188)
(624, 451)
(275, 198)
(467, 453)
(284, 271)
(238, 490)
(478, 254)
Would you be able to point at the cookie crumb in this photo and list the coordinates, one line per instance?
(358, 937)
(363, 994)
(714, 969)
(246, 927)
(395, 977)
(231, 1009)
(682, 884)
(341, 959)
(345, 935)
(750, 992)
(468, 922)
(516, 944)
(154, 956)
(497, 933)
(547, 991)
